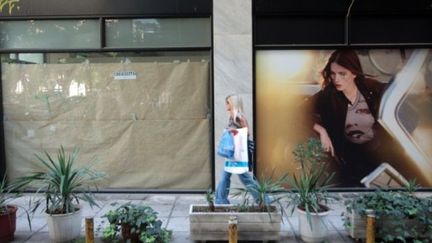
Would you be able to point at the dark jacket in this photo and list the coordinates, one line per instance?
(331, 105)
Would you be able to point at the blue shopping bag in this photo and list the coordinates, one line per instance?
(226, 145)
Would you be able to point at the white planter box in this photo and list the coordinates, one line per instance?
(250, 225)
(357, 227)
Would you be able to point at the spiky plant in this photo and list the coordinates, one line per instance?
(7, 193)
(210, 199)
(63, 183)
(310, 185)
(265, 188)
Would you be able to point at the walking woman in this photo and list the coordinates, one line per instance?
(234, 107)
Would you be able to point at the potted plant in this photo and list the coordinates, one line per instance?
(8, 212)
(259, 220)
(309, 196)
(63, 184)
(137, 223)
(400, 216)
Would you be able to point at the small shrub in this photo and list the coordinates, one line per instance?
(409, 217)
(137, 223)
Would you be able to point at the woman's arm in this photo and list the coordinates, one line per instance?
(243, 123)
(324, 138)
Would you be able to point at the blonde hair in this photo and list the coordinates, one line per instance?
(237, 104)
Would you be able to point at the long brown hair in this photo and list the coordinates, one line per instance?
(346, 58)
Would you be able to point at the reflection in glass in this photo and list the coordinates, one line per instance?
(49, 34)
(414, 111)
(76, 89)
(158, 32)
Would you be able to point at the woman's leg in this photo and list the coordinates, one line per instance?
(222, 189)
(249, 181)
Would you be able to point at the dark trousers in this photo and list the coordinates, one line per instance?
(358, 161)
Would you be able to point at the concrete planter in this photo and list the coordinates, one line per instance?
(357, 225)
(64, 227)
(250, 225)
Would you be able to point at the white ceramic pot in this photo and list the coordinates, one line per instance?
(319, 230)
(64, 227)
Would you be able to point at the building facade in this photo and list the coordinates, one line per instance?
(140, 86)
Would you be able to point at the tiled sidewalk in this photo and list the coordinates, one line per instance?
(173, 211)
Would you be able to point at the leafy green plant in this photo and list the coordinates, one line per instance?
(310, 185)
(400, 215)
(210, 199)
(63, 183)
(136, 222)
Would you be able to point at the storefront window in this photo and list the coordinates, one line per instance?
(143, 116)
(417, 103)
(186, 32)
(25, 34)
(291, 99)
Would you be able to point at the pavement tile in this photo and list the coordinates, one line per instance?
(181, 237)
(178, 224)
(191, 199)
(334, 237)
(163, 199)
(39, 237)
(110, 205)
(37, 223)
(22, 236)
(180, 210)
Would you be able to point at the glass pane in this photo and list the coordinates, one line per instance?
(136, 113)
(414, 112)
(158, 32)
(64, 34)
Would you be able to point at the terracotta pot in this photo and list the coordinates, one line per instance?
(127, 235)
(8, 224)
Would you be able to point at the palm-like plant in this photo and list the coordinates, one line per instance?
(310, 185)
(210, 199)
(268, 191)
(63, 183)
(4, 196)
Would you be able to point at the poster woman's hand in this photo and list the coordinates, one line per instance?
(326, 142)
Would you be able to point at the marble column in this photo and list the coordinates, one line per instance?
(232, 43)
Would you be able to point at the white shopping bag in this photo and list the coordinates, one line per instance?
(239, 164)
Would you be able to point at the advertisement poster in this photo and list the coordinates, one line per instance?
(370, 108)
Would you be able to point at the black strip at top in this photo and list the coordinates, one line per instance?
(101, 8)
(317, 22)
